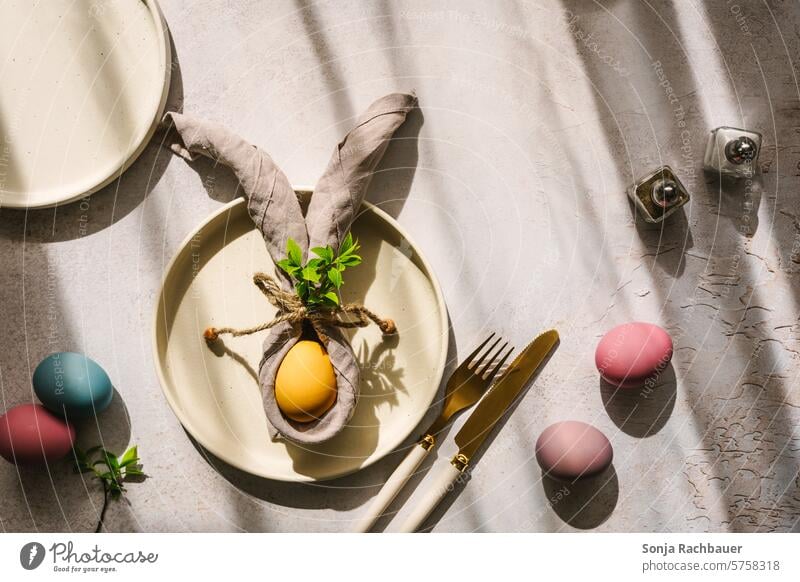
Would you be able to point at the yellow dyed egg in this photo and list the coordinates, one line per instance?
(305, 386)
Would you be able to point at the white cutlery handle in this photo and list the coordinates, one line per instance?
(442, 484)
(392, 487)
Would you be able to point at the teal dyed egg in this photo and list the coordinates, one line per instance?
(73, 385)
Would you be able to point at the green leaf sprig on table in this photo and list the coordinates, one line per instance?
(112, 471)
(317, 282)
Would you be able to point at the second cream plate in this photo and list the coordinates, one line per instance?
(216, 396)
(84, 84)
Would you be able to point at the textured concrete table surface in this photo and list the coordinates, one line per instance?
(535, 116)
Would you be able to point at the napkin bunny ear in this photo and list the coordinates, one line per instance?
(342, 187)
(271, 200)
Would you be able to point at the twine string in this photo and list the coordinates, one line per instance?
(292, 309)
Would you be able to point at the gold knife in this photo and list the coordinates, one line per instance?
(489, 410)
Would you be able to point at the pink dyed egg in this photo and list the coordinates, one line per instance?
(573, 449)
(31, 434)
(631, 353)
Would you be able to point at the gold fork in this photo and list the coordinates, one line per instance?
(464, 388)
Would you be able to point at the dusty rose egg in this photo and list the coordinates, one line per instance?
(573, 449)
(31, 434)
(631, 353)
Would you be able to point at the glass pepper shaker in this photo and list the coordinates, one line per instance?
(658, 195)
(733, 151)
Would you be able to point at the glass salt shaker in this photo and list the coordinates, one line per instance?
(733, 151)
(658, 195)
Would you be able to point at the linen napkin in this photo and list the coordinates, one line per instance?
(274, 208)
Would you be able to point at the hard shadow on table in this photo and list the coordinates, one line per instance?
(340, 494)
(111, 428)
(667, 242)
(630, 101)
(585, 503)
(90, 215)
(319, 495)
(439, 512)
(641, 412)
(765, 387)
(392, 180)
(738, 200)
(619, 44)
(769, 106)
(329, 66)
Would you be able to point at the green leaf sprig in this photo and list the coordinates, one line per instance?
(317, 282)
(112, 471)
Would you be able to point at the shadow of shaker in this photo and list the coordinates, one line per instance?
(737, 199)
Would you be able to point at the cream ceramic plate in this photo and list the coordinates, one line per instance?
(217, 397)
(83, 84)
